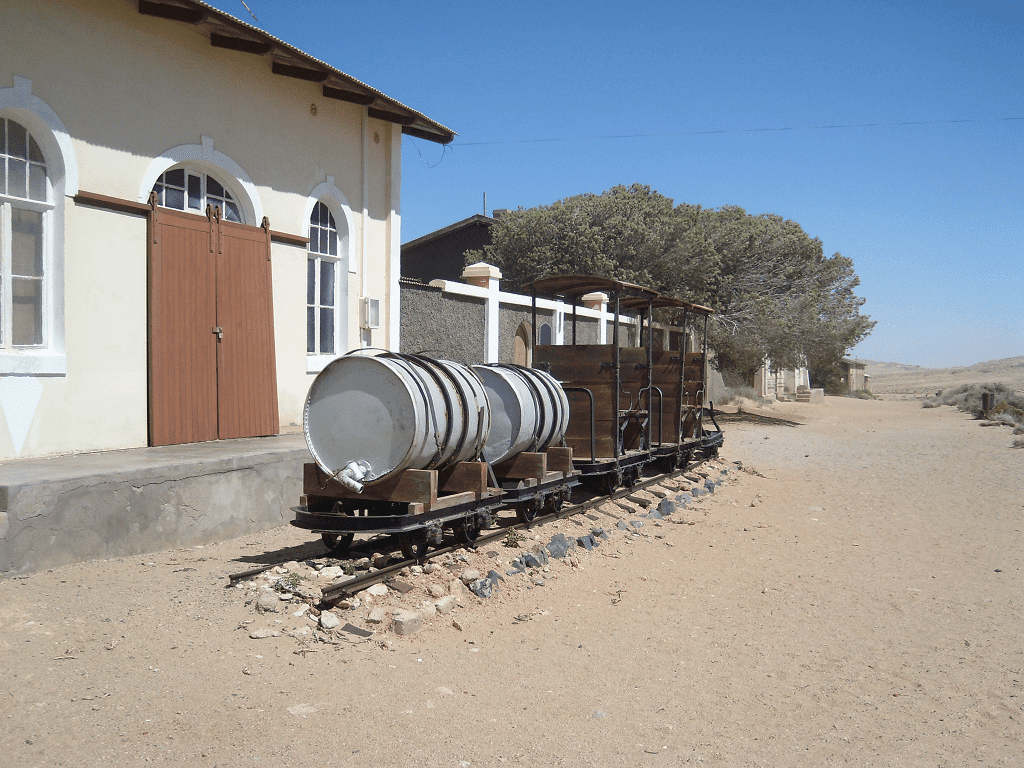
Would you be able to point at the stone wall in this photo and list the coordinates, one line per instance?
(441, 324)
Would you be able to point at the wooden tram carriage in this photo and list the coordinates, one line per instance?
(632, 405)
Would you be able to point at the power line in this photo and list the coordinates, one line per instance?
(735, 130)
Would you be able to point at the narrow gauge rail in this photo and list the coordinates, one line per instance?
(358, 583)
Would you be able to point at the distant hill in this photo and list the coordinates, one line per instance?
(913, 380)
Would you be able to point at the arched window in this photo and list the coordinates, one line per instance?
(544, 335)
(26, 210)
(186, 189)
(322, 280)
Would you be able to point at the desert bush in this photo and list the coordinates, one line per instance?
(863, 394)
(1007, 408)
(732, 394)
(1018, 443)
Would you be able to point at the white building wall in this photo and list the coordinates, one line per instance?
(130, 88)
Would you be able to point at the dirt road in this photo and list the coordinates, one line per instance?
(856, 600)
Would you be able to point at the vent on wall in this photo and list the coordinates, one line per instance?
(371, 313)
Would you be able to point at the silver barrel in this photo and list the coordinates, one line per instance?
(529, 410)
(369, 415)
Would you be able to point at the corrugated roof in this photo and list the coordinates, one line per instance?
(288, 61)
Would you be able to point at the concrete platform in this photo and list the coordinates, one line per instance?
(67, 509)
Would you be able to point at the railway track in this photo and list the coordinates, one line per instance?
(355, 584)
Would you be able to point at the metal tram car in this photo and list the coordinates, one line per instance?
(409, 445)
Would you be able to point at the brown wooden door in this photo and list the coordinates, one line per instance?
(246, 367)
(204, 275)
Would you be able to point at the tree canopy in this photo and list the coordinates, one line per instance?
(775, 294)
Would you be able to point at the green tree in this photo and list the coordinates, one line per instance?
(774, 292)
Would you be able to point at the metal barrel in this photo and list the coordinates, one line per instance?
(529, 410)
(369, 415)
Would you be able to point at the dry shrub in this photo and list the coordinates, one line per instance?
(1007, 408)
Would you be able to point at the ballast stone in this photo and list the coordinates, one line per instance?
(268, 602)
(666, 506)
(444, 605)
(406, 622)
(559, 546)
(482, 588)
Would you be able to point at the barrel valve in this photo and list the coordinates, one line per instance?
(351, 475)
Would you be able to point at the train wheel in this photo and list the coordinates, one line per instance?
(467, 531)
(414, 545)
(612, 480)
(527, 511)
(337, 543)
(684, 459)
(553, 502)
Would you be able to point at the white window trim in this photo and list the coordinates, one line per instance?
(19, 104)
(203, 157)
(329, 194)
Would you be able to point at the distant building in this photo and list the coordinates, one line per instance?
(854, 377)
(782, 383)
(440, 255)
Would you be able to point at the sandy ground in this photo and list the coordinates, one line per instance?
(855, 600)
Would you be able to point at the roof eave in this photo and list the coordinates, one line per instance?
(225, 31)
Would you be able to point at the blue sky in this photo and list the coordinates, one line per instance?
(930, 212)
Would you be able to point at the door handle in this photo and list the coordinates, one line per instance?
(219, 331)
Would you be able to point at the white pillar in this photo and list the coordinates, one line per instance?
(488, 277)
(599, 301)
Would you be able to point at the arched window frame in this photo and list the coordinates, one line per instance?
(203, 158)
(545, 331)
(46, 128)
(197, 192)
(328, 195)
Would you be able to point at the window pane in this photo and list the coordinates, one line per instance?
(213, 187)
(27, 311)
(17, 140)
(195, 192)
(327, 331)
(34, 153)
(175, 177)
(174, 198)
(37, 182)
(311, 281)
(545, 334)
(327, 283)
(231, 214)
(3, 175)
(16, 178)
(26, 243)
(3, 137)
(332, 242)
(311, 329)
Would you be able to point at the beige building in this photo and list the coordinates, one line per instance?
(194, 218)
(855, 377)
